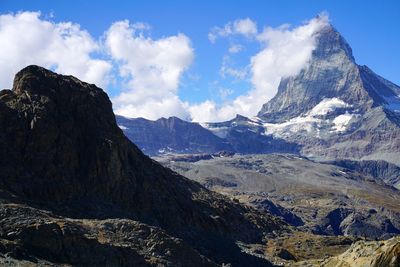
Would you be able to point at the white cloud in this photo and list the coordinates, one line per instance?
(245, 27)
(236, 48)
(227, 70)
(285, 52)
(152, 68)
(224, 93)
(26, 39)
(208, 111)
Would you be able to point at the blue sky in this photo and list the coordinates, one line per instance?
(370, 27)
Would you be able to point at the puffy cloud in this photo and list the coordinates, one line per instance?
(152, 70)
(284, 53)
(27, 39)
(245, 27)
(149, 70)
(209, 111)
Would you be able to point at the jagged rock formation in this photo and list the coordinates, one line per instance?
(62, 151)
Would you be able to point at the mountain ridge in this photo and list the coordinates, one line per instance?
(61, 151)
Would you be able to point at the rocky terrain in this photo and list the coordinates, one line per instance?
(320, 198)
(74, 190)
(368, 254)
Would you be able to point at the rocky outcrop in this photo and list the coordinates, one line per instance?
(30, 236)
(62, 151)
(368, 254)
(277, 210)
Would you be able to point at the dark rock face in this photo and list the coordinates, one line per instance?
(171, 135)
(33, 236)
(61, 150)
(278, 210)
(335, 218)
(285, 254)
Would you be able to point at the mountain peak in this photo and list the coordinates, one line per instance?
(38, 80)
(330, 73)
(329, 42)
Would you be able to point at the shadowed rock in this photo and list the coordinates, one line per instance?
(61, 150)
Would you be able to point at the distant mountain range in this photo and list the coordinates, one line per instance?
(333, 109)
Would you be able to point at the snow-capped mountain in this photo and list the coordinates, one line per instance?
(333, 109)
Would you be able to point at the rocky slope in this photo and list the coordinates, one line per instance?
(69, 178)
(381, 170)
(368, 254)
(320, 198)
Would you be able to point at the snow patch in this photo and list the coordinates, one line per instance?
(327, 105)
(311, 123)
(308, 124)
(221, 132)
(341, 122)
